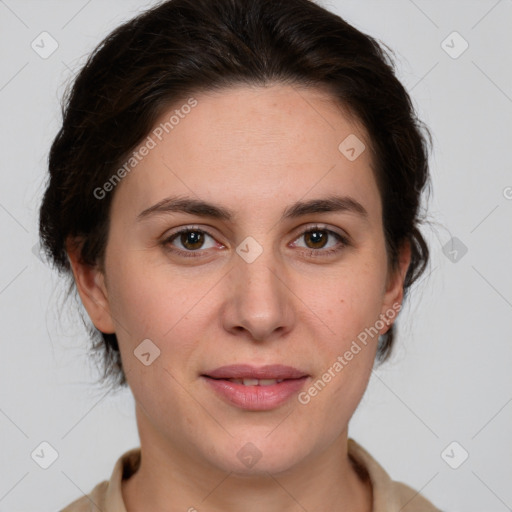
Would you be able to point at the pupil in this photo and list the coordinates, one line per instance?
(192, 238)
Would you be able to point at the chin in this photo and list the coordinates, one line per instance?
(260, 454)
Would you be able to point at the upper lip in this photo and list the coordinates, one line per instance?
(247, 371)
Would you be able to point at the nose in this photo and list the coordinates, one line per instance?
(259, 303)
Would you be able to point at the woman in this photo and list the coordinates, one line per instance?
(235, 193)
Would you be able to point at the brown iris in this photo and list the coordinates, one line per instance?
(192, 240)
(318, 238)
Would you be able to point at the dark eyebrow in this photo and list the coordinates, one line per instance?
(188, 205)
(298, 209)
(329, 204)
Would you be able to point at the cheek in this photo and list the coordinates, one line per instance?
(147, 303)
(350, 301)
(346, 355)
(143, 300)
(156, 302)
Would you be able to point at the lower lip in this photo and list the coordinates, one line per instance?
(256, 398)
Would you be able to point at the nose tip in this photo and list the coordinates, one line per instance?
(258, 304)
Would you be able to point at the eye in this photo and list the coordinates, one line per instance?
(190, 240)
(321, 241)
(193, 242)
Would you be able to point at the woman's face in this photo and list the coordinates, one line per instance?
(284, 267)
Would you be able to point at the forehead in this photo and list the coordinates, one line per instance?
(251, 144)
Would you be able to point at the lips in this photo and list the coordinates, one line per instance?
(255, 388)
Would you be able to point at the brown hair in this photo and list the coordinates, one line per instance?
(183, 47)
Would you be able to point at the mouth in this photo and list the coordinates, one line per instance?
(246, 372)
(255, 382)
(255, 388)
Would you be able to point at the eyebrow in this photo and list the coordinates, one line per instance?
(299, 209)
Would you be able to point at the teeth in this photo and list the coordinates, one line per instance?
(268, 382)
(256, 382)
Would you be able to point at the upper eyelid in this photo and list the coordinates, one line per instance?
(186, 229)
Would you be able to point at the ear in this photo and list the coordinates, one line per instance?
(394, 293)
(90, 283)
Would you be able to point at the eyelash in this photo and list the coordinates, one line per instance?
(343, 242)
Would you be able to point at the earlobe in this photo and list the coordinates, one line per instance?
(395, 286)
(90, 283)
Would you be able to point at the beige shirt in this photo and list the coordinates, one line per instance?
(388, 496)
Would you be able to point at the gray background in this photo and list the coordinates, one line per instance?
(450, 378)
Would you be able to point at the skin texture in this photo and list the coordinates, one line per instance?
(256, 151)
